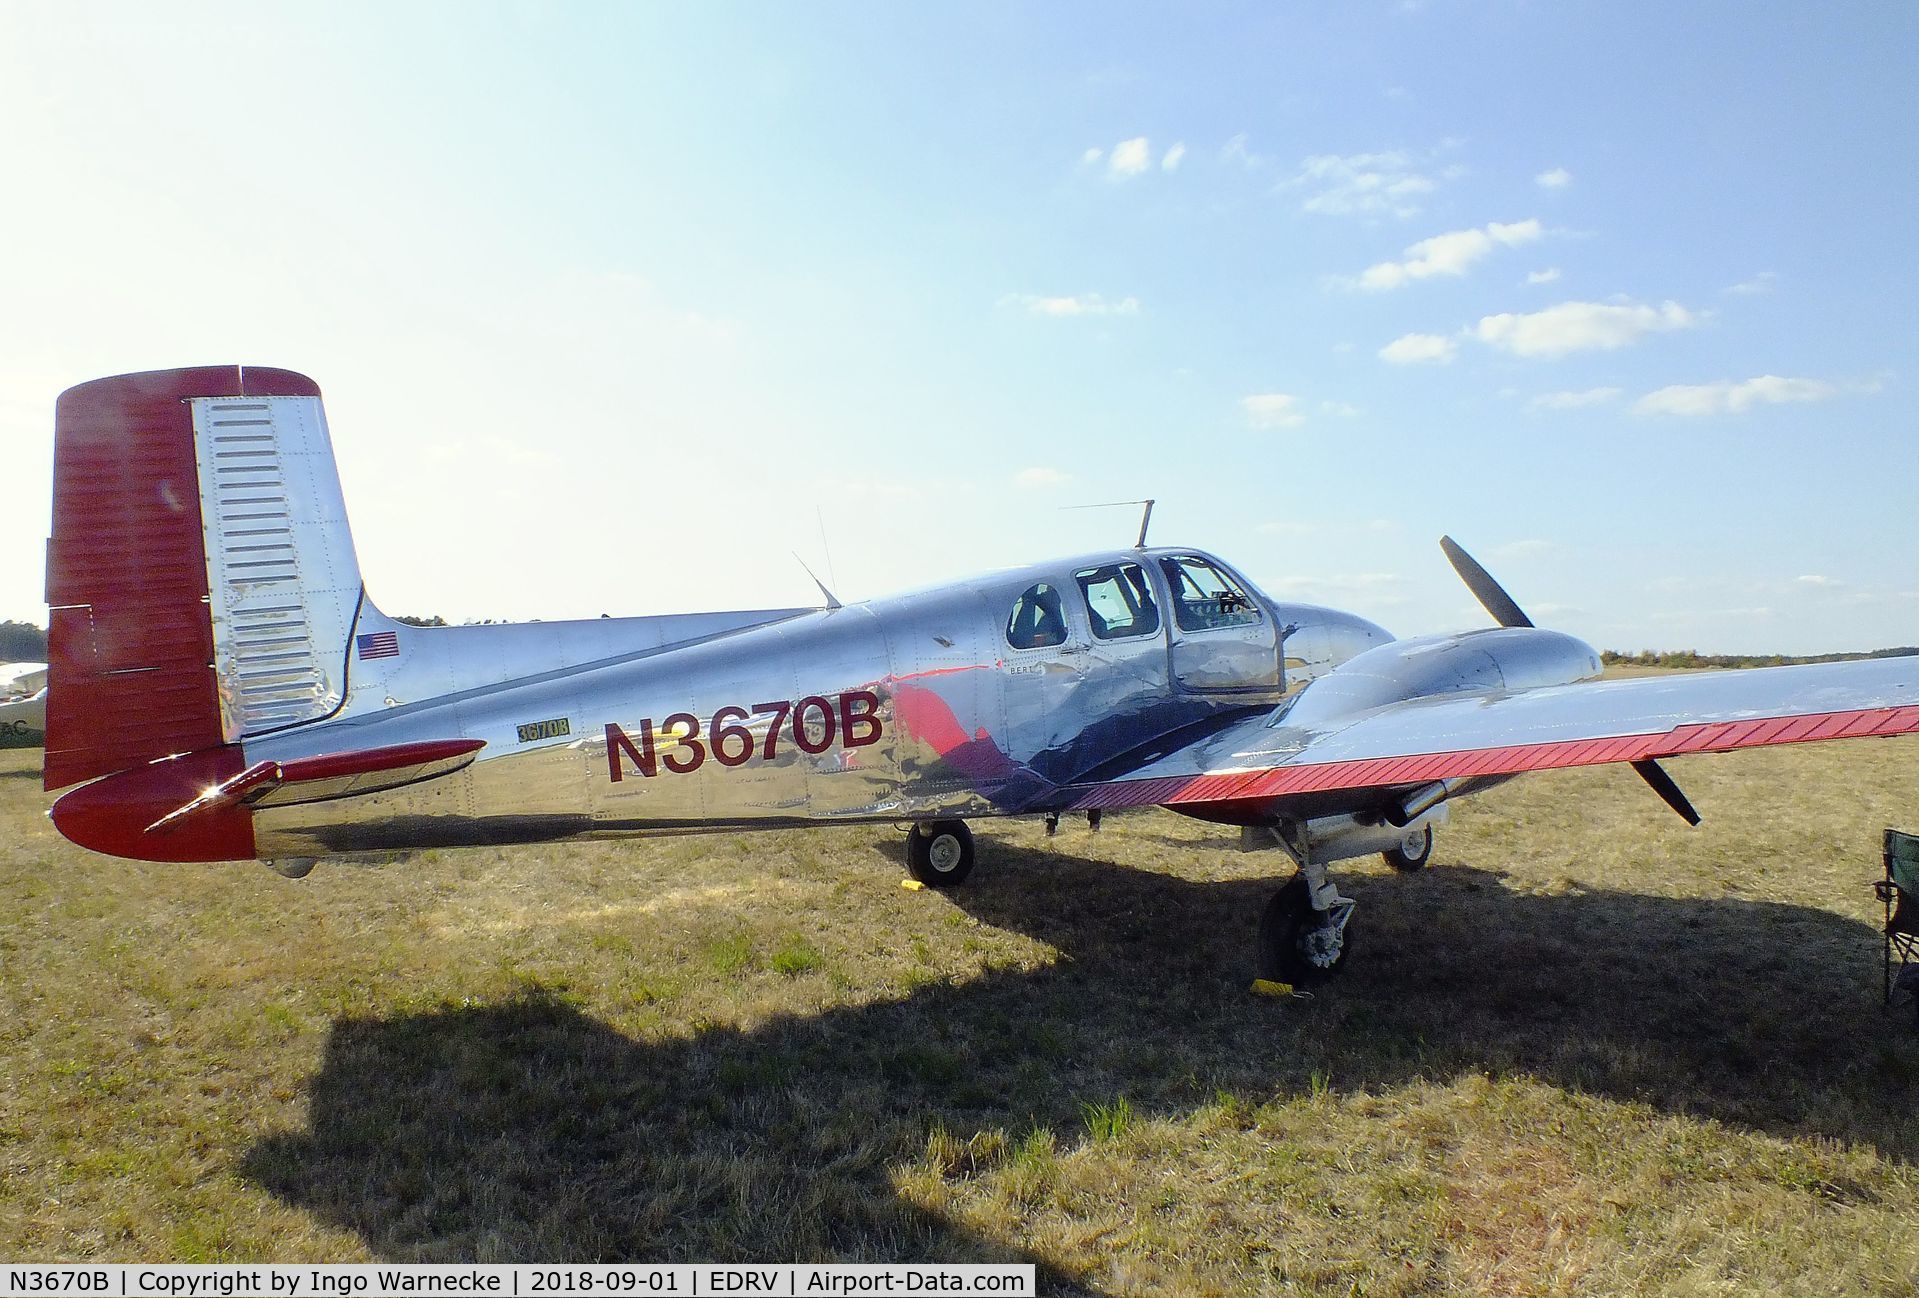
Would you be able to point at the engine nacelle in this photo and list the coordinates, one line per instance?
(1500, 660)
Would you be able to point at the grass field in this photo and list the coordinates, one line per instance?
(1589, 1051)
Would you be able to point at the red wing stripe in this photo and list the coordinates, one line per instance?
(1385, 772)
(1488, 760)
(1828, 727)
(1406, 771)
(1600, 750)
(1867, 724)
(1238, 785)
(1796, 729)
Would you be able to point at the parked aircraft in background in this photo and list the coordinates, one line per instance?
(23, 705)
(18, 680)
(23, 721)
(223, 688)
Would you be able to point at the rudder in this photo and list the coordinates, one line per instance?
(201, 577)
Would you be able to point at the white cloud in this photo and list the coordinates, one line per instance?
(1080, 304)
(1173, 157)
(1451, 253)
(1763, 282)
(1363, 184)
(1039, 477)
(1414, 348)
(1236, 151)
(1557, 178)
(1129, 158)
(1091, 156)
(1339, 409)
(1580, 326)
(1573, 400)
(1815, 579)
(1272, 410)
(1729, 398)
(1545, 276)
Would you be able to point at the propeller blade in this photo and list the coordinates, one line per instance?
(1662, 784)
(1487, 591)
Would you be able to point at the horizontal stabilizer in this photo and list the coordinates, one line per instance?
(329, 776)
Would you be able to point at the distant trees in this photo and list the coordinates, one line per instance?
(420, 621)
(22, 642)
(1693, 658)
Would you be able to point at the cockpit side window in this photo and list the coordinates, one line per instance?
(1038, 618)
(1119, 601)
(1204, 597)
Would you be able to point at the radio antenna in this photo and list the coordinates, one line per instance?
(1145, 518)
(832, 600)
(820, 515)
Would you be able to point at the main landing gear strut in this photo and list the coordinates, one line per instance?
(1304, 934)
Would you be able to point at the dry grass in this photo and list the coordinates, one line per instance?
(1589, 1051)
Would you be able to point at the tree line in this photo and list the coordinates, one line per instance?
(1693, 658)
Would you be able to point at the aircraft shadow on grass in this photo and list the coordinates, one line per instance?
(529, 1130)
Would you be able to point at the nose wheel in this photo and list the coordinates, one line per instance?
(1414, 850)
(939, 853)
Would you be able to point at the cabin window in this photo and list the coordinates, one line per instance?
(1119, 601)
(1204, 597)
(1039, 618)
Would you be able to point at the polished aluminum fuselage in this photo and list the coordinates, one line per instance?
(911, 707)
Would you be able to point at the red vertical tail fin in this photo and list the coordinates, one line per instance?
(130, 647)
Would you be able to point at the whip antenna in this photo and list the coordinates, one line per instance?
(1145, 518)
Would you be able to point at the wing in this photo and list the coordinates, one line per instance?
(1349, 763)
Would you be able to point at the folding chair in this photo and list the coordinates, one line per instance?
(1899, 890)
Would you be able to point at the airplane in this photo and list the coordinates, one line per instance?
(19, 680)
(23, 721)
(23, 705)
(223, 688)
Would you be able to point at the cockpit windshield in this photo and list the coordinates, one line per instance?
(1205, 597)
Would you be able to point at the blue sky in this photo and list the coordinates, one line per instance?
(615, 306)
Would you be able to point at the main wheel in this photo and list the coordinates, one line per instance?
(1414, 850)
(940, 853)
(1293, 948)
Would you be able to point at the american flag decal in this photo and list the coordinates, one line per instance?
(381, 644)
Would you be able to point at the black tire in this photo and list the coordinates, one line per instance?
(939, 853)
(1401, 859)
(1286, 919)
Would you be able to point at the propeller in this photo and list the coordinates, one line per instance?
(1480, 582)
(1508, 613)
(1662, 784)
